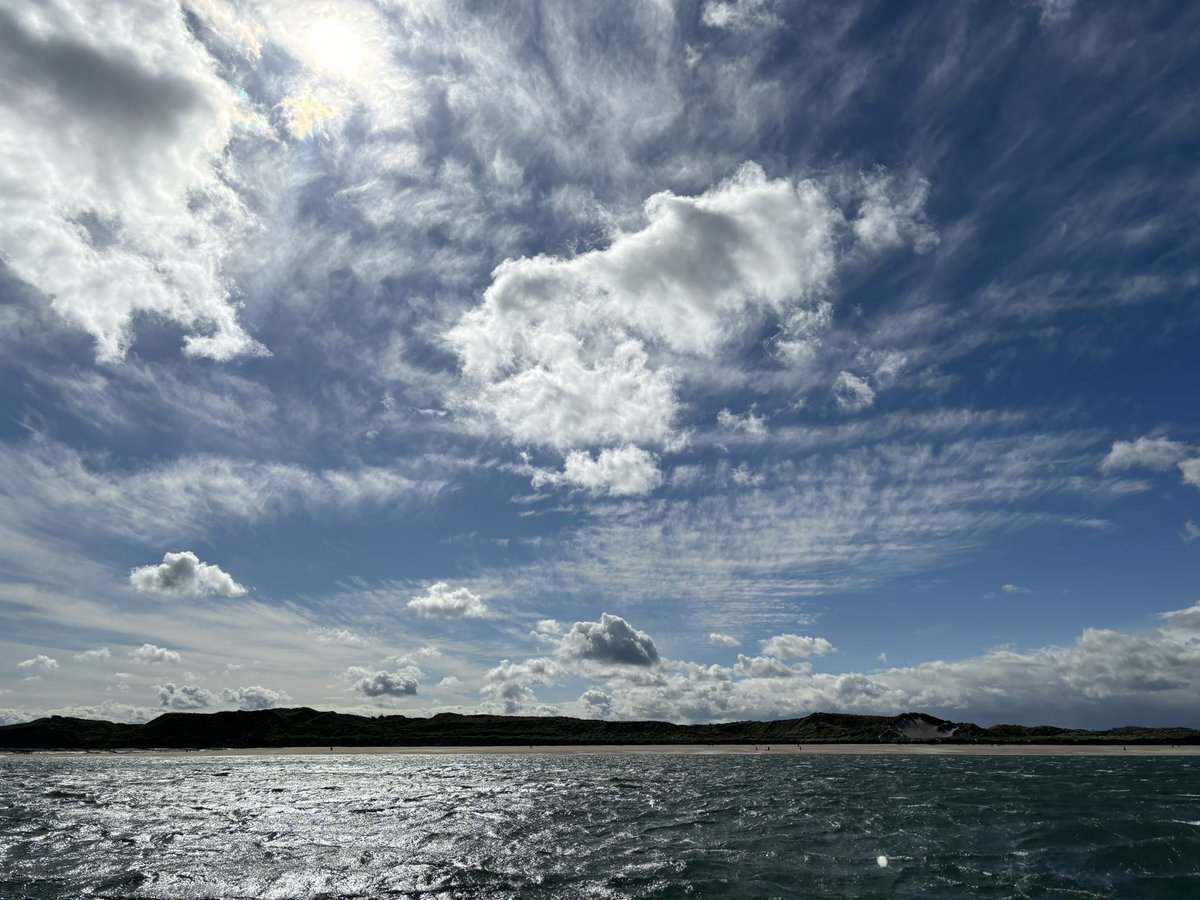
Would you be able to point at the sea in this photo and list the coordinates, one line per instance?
(548, 825)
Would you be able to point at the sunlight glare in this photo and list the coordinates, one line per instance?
(333, 47)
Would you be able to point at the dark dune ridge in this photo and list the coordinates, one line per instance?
(304, 727)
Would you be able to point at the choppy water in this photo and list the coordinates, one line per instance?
(599, 826)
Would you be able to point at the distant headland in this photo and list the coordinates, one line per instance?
(304, 727)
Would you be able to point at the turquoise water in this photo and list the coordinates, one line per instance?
(599, 826)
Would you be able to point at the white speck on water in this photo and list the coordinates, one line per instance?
(882, 861)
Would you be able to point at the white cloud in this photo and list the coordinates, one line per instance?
(594, 704)
(151, 654)
(442, 601)
(343, 637)
(40, 663)
(1054, 10)
(114, 198)
(723, 640)
(795, 646)
(255, 697)
(184, 697)
(387, 684)
(183, 574)
(1014, 589)
(96, 655)
(748, 422)
(1191, 471)
(891, 214)
(616, 471)
(739, 15)
(1157, 453)
(54, 491)
(1103, 676)
(583, 351)
(508, 688)
(1189, 532)
(450, 682)
(853, 394)
(611, 640)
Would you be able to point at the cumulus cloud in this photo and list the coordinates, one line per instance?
(254, 697)
(508, 688)
(594, 704)
(442, 601)
(582, 351)
(38, 664)
(387, 684)
(614, 471)
(1104, 674)
(1189, 532)
(116, 201)
(795, 646)
(612, 640)
(183, 574)
(723, 640)
(96, 655)
(184, 697)
(1157, 453)
(1014, 589)
(151, 654)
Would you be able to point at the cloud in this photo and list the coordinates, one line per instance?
(739, 15)
(1105, 675)
(54, 491)
(892, 214)
(748, 422)
(723, 640)
(508, 688)
(1014, 589)
(116, 201)
(1158, 453)
(594, 704)
(184, 697)
(852, 393)
(387, 684)
(616, 471)
(1191, 471)
(612, 640)
(254, 697)
(151, 654)
(583, 351)
(450, 682)
(342, 637)
(96, 655)
(182, 574)
(440, 601)
(795, 646)
(40, 663)
(1189, 532)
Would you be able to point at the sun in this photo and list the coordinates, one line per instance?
(332, 47)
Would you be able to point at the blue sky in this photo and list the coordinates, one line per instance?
(688, 360)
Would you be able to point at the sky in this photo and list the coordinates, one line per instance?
(700, 360)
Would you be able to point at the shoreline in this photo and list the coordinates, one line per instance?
(662, 749)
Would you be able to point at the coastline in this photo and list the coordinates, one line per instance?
(678, 749)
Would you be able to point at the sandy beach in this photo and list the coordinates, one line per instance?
(685, 750)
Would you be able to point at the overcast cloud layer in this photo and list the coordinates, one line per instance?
(684, 359)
